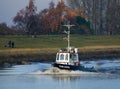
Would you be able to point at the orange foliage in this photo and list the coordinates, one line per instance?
(61, 13)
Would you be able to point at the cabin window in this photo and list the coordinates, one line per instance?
(73, 56)
(57, 57)
(61, 57)
(66, 57)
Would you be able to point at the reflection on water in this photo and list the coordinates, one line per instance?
(34, 76)
(66, 77)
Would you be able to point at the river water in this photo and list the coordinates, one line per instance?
(41, 76)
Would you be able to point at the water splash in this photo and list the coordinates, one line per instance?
(54, 70)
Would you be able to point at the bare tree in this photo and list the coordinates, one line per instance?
(26, 18)
(103, 14)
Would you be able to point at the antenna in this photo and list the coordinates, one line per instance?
(68, 32)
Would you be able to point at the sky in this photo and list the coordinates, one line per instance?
(9, 8)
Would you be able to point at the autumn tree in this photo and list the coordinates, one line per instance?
(55, 16)
(26, 18)
(43, 22)
(47, 19)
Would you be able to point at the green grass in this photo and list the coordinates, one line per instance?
(56, 41)
(96, 40)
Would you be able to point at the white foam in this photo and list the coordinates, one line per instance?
(54, 70)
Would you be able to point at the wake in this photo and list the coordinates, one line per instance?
(54, 70)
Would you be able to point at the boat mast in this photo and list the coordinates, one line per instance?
(68, 32)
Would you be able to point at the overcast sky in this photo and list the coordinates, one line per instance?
(9, 8)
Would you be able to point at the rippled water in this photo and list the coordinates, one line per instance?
(41, 76)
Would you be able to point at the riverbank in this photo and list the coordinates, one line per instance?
(48, 54)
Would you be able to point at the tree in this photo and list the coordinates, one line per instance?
(83, 26)
(26, 19)
(5, 30)
(113, 18)
(43, 22)
(54, 17)
(103, 15)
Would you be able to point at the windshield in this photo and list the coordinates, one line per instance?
(73, 57)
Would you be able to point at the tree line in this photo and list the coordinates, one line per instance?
(104, 15)
(89, 17)
(50, 20)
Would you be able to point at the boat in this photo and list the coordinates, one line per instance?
(68, 58)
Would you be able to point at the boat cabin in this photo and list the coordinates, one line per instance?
(68, 57)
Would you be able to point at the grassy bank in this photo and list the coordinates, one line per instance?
(57, 41)
(44, 48)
